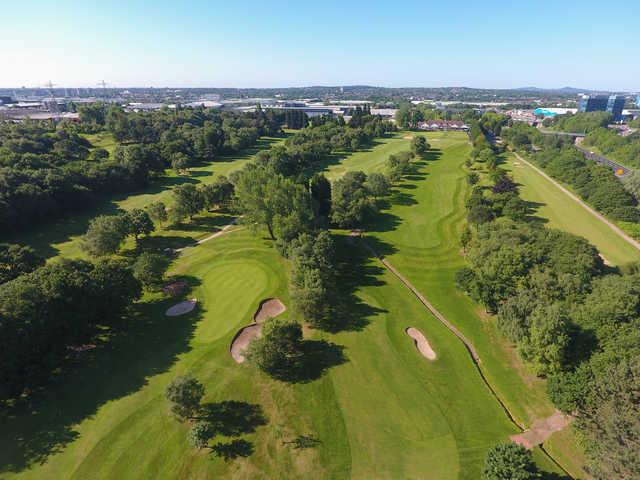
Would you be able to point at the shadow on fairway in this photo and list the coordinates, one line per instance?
(231, 450)
(354, 269)
(232, 418)
(143, 344)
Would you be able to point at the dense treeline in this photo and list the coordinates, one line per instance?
(582, 122)
(48, 171)
(45, 313)
(625, 150)
(595, 183)
(573, 320)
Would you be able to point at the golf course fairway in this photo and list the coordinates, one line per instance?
(375, 407)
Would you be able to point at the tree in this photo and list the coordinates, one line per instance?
(17, 260)
(200, 433)
(509, 461)
(184, 394)
(321, 193)
(473, 178)
(419, 146)
(105, 235)
(180, 162)
(158, 212)
(377, 185)
(351, 201)
(281, 205)
(398, 165)
(279, 350)
(149, 268)
(217, 193)
(187, 202)
(138, 223)
(548, 338)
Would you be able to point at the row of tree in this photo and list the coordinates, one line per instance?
(594, 183)
(573, 320)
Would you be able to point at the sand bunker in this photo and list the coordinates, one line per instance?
(268, 308)
(541, 430)
(182, 308)
(421, 343)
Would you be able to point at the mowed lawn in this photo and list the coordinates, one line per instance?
(386, 412)
(419, 234)
(562, 212)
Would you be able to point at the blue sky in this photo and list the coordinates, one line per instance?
(493, 44)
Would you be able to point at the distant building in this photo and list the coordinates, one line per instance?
(6, 100)
(443, 125)
(638, 101)
(601, 103)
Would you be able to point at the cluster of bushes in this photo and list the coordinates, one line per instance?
(16, 260)
(571, 319)
(48, 171)
(56, 306)
(625, 150)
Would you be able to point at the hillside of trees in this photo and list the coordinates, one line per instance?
(625, 150)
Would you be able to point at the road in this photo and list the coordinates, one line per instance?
(634, 243)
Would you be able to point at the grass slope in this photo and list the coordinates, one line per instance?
(555, 207)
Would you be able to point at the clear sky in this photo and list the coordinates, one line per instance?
(263, 43)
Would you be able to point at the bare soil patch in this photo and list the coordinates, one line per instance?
(541, 430)
(182, 308)
(421, 342)
(268, 308)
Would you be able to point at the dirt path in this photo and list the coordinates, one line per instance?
(611, 225)
(226, 229)
(541, 430)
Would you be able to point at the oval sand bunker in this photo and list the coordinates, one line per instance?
(181, 308)
(421, 343)
(268, 308)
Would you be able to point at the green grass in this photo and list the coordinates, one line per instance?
(102, 140)
(560, 211)
(369, 160)
(385, 412)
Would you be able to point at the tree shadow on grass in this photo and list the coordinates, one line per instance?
(232, 418)
(316, 357)
(303, 442)
(231, 450)
(136, 347)
(354, 270)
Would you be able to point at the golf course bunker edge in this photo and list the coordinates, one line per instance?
(421, 342)
(268, 308)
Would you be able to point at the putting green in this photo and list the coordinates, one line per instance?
(561, 211)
